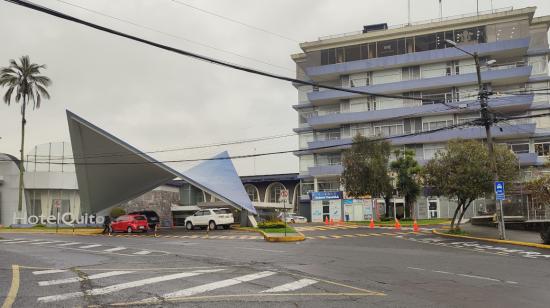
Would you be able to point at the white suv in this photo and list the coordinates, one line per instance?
(210, 218)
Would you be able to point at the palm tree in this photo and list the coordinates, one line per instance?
(24, 80)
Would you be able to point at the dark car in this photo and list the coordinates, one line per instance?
(152, 218)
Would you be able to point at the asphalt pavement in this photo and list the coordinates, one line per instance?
(334, 267)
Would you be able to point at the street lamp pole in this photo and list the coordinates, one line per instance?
(487, 122)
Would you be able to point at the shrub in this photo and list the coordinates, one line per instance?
(117, 211)
(273, 224)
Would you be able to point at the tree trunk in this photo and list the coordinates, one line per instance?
(454, 215)
(22, 150)
(462, 214)
(387, 202)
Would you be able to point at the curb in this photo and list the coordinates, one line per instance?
(300, 237)
(517, 243)
(268, 238)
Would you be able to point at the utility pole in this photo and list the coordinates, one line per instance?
(487, 119)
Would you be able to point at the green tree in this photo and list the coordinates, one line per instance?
(24, 81)
(366, 169)
(463, 172)
(407, 172)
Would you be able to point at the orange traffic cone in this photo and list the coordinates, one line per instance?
(332, 221)
(371, 225)
(326, 220)
(415, 226)
(397, 224)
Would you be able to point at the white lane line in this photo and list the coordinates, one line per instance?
(292, 286)
(123, 286)
(77, 279)
(69, 244)
(114, 249)
(214, 285)
(18, 242)
(13, 239)
(48, 272)
(478, 277)
(40, 243)
(89, 246)
(143, 252)
(416, 268)
(260, 249)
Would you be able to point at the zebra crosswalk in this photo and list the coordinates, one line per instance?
(88, 247)
(64, 287)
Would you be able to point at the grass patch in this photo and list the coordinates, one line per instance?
(456, 232)
(279, 230)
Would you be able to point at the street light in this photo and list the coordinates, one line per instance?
(487, 122)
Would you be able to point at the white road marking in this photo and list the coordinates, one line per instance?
(292, 286)
(211, 286)
(89, 246)
(14, 239)
(69, 244)
(465, 275)
(40, 243)
(260, 249)
(77, 279)
(19, 242)
(143, 252)
(114, 249)
(48, 272)
(123, 286)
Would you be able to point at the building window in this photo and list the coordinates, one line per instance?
(427, 126)
(519, 148)
(362, 105)
(330, 159)
(306, 188)
(328, 185)
(431, 149)
(542, 149)
(252, 192)
(361, 129)
(274, 192)
(190, 195)
(470, 35)
(411, 72)
(388, 128)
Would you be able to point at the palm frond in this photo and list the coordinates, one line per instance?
(7, 96)
(41, 90)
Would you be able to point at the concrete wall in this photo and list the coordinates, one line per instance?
(9, 189)
(159, 200)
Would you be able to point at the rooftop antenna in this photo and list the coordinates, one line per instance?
(477, 7)
(440, 10)
(409, 11)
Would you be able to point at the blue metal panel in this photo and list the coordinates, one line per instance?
(325, 170)
(425, 83)
(219, 175)
(519, 103)
(438, 55)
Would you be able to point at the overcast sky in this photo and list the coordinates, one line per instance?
(155, 100)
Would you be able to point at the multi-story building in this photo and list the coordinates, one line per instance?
(414, 60)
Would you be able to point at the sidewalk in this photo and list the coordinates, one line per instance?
(492, 232)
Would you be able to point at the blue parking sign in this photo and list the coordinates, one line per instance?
(499, 190)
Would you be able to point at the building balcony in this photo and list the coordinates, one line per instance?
(499, 133)
(496, 76)
(515, 103)
(325, 170)
(509, 48)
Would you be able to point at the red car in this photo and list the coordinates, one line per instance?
(130, 223)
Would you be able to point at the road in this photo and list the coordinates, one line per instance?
(334, 267)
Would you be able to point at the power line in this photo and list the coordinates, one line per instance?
(173, 35)
(117, 154)
(469, 123)
(235, 21)
(60, 15)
